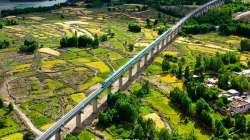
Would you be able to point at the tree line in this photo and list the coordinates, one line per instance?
(221, 19)
(10, 12)
(203, 113)
(81, 42)
(124, 109)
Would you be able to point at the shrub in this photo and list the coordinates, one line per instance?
(84, 41)
(245, 45)
(1, 103)
(4, 44)
(10, 107)
(104, 38)
(1, 25)
(130, 47)
(161, 30)
(198, 28)
(29, 136)
(29, 46)
(2, 123)
(132, 27)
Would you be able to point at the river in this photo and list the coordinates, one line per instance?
(6, 4)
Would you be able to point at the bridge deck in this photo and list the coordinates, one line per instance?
(164, 39)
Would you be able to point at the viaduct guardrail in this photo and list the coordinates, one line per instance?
(134, 66)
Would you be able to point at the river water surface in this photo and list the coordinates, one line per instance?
(6, 4)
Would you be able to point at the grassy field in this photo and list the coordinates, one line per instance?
(12, 128)
(172, 112)
(66, 75)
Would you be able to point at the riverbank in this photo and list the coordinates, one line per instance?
(21, 4)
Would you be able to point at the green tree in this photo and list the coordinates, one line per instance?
(248, 127)
(220, 130)
(85, 41)
(228, 122)
(164, 134)
(187, 74)
(165, 65)
(2, 123)
(223, 81)
(145, 90)
(245, 45)
(29, 46)
(191, 135)
(1, 103)
(29, 136)
(240, 122)
(201, 104)
(130, 47)
(206, 118)
(10, 107)
(148, 23)
(132, 27)
(138, 132)
(95, 43)
(179, 76)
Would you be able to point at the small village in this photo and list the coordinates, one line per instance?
(239, 102)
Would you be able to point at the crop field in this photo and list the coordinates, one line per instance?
(51, 82)
(170, 111)
(13, 127)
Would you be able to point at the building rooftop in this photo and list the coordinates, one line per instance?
(233, 91)
(239, 103)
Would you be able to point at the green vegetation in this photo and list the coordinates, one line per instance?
(29, 136)
(29, 46)
(84, 135)
(9, 124)
(82, 41)
(245, 45)
(132, 27)
(4, 44)
(123, 112)
(18, 11)
(221, 17)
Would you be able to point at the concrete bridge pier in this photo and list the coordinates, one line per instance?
(79, 120)
(95, 107)
(120, 82)
(159, 46)
(59, 135)
(145, 59)
(138, 67)
(130, 74)
(109, 90)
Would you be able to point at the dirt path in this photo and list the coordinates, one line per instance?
(4, 90)
(242, 15)
(207, 44)
(26, 120)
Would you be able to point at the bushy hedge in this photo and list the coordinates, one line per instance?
(221, 17)
(29, 46)
(132, 27)
(4, 44)
(198, 28)
(82, 41)
(245, 45)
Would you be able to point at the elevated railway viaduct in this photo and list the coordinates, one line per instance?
(130, 71)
